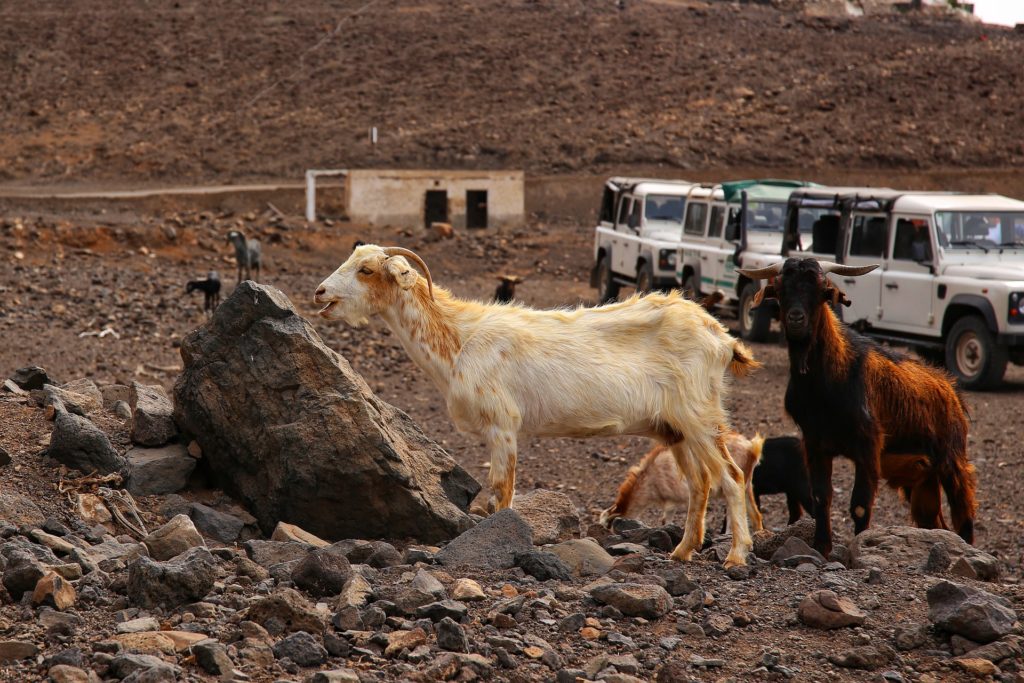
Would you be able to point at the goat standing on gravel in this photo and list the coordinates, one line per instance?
(653, 366)
(506, 291)
(247, 254)
(883, 411)
(210, 287)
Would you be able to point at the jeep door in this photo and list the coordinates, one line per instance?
(908, 282)
(867, 244)
(619, 243)
(717, 269)
(628, 229)
(695, 249)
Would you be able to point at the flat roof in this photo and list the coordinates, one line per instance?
(926, 202)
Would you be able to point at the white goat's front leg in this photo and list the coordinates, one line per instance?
(734, 490)
(697, 481)
(502, 444)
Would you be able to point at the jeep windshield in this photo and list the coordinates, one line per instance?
(766, 216)
(664, 207)
(983, 230)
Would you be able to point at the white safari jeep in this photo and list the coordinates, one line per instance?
(637, 235)
(734, 224)
(951, 282)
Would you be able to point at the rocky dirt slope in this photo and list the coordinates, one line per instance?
(226, 90)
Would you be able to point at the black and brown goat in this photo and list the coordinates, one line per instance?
(883, 411)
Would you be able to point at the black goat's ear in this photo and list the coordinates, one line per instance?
(836, 296)
(768, 292)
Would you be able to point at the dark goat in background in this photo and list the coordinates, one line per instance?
(783, 470)
(885, 412)
(506, 291)
(210, 287)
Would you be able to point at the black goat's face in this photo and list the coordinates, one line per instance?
(801, 288)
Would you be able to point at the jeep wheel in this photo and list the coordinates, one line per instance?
(972, 355)
(754, 322)
(690, 289)
(607, 287)
(644, 278)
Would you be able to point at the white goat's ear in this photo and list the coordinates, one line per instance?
(400, 269)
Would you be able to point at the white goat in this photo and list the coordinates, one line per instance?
(653, 366)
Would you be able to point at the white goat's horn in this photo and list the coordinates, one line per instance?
(399, 251)
(840, 269)
(762, 273)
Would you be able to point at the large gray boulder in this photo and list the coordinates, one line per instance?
(493, 543)
(286, 425)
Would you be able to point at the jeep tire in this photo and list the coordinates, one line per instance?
(607, 287)
(754, 322)
(644, 278)
(973, 356)
(690, 288)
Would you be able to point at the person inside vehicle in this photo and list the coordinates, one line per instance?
(920, 244)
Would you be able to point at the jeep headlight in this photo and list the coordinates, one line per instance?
(1016, 308)
(666, 259)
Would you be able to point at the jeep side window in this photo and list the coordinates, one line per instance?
(696, 213)
(912, 241)
(607, 206)
(623, 211)
(634, 218)
(717, 221)
(869, 236)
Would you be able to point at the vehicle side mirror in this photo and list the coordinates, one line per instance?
(732, 231)
(927, 264)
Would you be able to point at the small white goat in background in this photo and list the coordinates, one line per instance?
(248, 254)
(653, 366)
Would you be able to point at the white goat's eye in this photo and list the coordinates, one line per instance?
(365, 271)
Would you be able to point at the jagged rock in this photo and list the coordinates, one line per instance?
(186, 578)
(31, 378)
(12, 650)
(906, 547)
(677, 582)
(301, 648)
(335, 676)
(173, 538)
(287, 425)
(146, 642)
(766, 542)
(125, 665)
(288, 610)
(970, 612)
(80, 397)
(55, 591)
(20, 510)
(213, 657)
(138, 625)
(551, 515)
(634, 599)
(158, 471)
(794, 552)
(868, 657)
(451, 636)
(825, 610)
(218, 525)
(22, 571)
(289, 532)
(493, 543)
(443, 609)
(402, 640)
(356, 592)
(543, 565)
(322, 572)
(584, 557)
(910, 636)
(81, 445)
(152, 415)
(269, 553)
(467, 590)
(65, 673)
(977, 667)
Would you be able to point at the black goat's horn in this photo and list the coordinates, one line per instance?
(399, 251)
(840, 269)
(765, 273)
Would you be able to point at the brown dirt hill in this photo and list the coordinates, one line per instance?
(98, 91)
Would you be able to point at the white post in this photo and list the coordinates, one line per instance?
(311, 196)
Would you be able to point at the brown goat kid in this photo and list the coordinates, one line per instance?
(657, 482)
(851, 397)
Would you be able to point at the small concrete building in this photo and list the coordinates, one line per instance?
(465, 199)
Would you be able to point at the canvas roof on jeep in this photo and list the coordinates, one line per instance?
(650, 185)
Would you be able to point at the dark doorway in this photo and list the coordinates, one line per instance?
(435, 208)
(476, 208)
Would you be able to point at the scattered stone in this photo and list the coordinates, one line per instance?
(20, 510)
(416, 553)
(451, 636)
(55, 591)
(81, 445)
(767, 542)
(65, 673)
(794, 552)
(356, 592)
(155, 669)
(634, 599)
(287, 611)
(186, 578)
(677, 582)
(5, 457)
(323, 572)
(335, 676)
(443, 609)
(152, 415)
(492, 544)
(213, 657)
(31, 378)
(584, 557)
(969, 612)
(146, 642)
(138, 625)
(977, 667)
(404, 640)
(717, 625)
(302, 648)
(23, 571)
(910, 636)
(909, 548)
(218, 525)
(551, 515)
(13, 650)
(80, 397)
(467, 590)
(867, 657)
(173, 538)
(158, 471)
(289, 532)
(342, 462)
(543, 566)
(825, 610)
